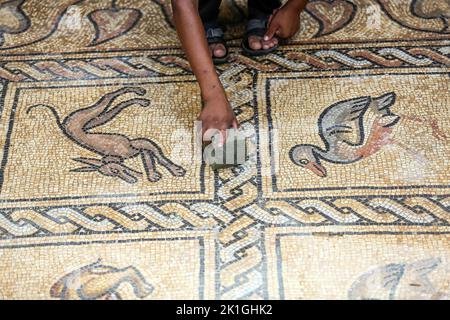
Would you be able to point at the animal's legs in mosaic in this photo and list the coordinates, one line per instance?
(150, 167)
(93, 116)
(107, 115)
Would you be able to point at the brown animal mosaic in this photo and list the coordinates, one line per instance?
(97, 281)
(114, 148)
(359, 98)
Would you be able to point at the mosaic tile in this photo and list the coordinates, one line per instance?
(107, 276)
(364, 123)
(90, 156)
(345, 193)
(306, 263)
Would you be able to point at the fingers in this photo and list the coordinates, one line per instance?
(269, 44)
(212, 134)
(273, 27)
(235, 124)
(222, 138)
(222, 133)
(271, 31)
(208, 133)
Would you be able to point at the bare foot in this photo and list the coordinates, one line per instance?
(258, 43)
(217, 50)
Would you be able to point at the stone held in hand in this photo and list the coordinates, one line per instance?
(232, 153)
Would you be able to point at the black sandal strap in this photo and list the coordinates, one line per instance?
(257, 27)
(214, 34)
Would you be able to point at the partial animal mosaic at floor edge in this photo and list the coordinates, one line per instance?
(345, 194)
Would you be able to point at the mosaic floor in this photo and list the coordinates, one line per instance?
(345, 194)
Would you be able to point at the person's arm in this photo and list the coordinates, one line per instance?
(285, 21)
(217, 113)
(297, 5)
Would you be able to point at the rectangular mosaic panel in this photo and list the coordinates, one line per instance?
(360, 134)
(358, 263)
(110, 267)
(355, 205)
(92, 26)
(66, 160)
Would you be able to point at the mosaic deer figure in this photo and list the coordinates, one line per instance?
(114, 148)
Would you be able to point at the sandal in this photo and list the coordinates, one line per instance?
(214, 35)
(256, 27)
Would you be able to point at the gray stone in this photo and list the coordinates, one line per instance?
(232, 153)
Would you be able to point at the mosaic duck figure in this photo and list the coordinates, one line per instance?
(351, 130)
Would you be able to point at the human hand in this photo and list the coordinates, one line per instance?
(217, 115)
(284, 22)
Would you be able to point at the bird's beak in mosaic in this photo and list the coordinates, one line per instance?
(317, 169)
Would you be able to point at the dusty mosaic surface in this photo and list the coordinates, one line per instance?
(354, 205)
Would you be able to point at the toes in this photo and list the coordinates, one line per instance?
(257, 43)
(217, 50)
(269, 43)
(176, 171)
(254, 42)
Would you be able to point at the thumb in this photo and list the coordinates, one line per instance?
(235, 124)
(271, 31)
(222, 138)
(274, 13)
